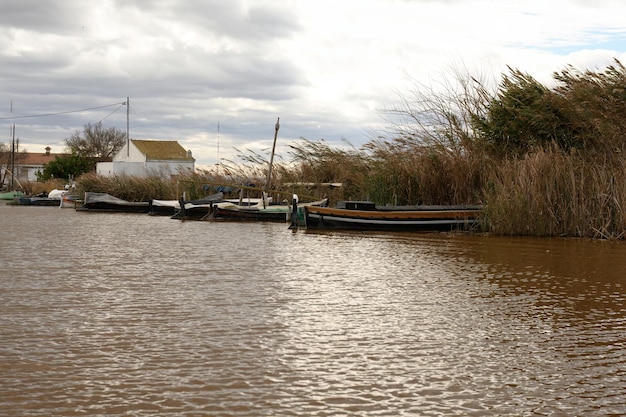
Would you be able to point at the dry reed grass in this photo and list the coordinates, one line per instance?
(552, 193)
(130, 188)
(35, 188)
(569, 180)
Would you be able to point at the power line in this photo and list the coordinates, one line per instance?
(120, 106)
(63, 112)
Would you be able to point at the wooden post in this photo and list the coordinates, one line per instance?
(269, 172)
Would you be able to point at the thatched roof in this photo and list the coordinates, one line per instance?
(162, 150)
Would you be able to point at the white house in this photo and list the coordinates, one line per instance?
(27, 165)
(148, 157)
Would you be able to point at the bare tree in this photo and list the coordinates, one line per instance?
(96, 142)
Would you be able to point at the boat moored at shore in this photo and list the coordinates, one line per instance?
(366, 215)
(264, 210)
(11, 195)
(187, 210)
(108, 203)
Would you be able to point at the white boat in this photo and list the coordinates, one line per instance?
(261, 211)
(195, 209)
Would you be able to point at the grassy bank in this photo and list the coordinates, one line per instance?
(544, 161)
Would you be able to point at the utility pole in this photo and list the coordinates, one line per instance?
(127, 126)
(13, 158)
(12, 134)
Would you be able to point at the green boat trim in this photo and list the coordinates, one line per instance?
(11, 195)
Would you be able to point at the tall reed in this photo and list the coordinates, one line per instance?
(423, 175)
(317, 163)
(134, 188)
(552, 193)
(543, 161)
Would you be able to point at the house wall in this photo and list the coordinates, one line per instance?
(23, 173)
(109, 169)
(104, 169)
(134, 155)
(32, 172)
(143, 169)
(168, 168)
(133, 162)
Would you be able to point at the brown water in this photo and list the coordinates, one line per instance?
(132, 315)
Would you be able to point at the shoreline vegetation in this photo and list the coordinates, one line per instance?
(542, 160)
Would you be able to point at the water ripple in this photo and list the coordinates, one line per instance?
(137, 316)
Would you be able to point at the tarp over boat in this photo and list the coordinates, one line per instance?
(107, 202)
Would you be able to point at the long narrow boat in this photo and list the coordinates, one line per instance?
(164, 207)
(258, 212)
(232, 211)
(39, 201)
(108, 203)
(192, 210)
(365, 215)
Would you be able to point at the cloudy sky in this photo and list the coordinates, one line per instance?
(326, 68)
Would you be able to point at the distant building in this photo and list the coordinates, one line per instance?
(28, 164)
(148, 157)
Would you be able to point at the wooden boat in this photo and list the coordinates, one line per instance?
(164, 207)
(108, 203)
(261, 211)
(365, 215)
(192, 210)
(229, 210)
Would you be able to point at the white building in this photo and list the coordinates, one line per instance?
(149, 157)
(27, 165)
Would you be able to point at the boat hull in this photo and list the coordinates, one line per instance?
(270, 213)
(447, 219)
(164, 207)
(195, 209)
(102, 202)
(142, 208)
(193, 212)
(69, 201)
(273, 214)
(39, 201)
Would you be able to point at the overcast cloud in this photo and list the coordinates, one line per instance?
(326, 68)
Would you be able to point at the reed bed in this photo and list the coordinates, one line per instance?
(35, 187)
(550, 193)
(318, 164)
(423, 176)
(127, 187)
(544, 161)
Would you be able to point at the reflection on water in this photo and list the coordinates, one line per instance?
(112, 314)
